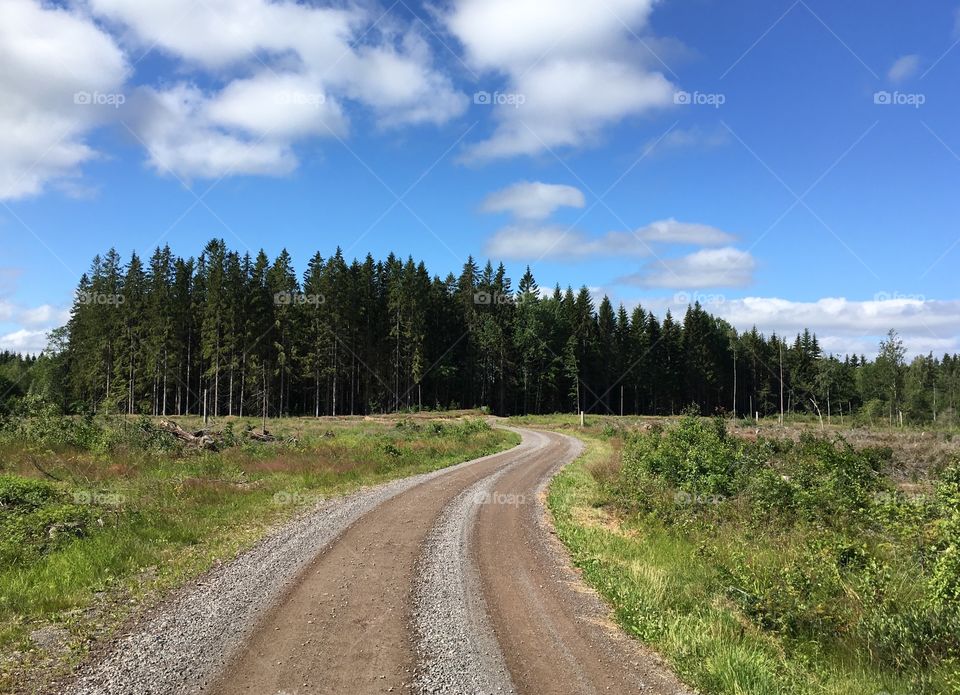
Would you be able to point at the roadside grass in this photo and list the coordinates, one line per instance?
(665, 570)
(124, 524)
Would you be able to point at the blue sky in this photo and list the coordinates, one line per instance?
(788, 163)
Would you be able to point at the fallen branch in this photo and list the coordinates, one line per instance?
(200, 440)
(261, 436)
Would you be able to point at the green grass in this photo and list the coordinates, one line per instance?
(126, 525)
(666, 583)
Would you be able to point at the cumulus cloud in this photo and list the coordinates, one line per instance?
(561, 243)
(270, 74)
(533, 200)
(59, 70)
(904, 68)
(707, 268)
(670, 231)
(575, 66)
(528, 241)
(351, 50)
(846, 326)
(840, 316)
(843, 326)
(182, 136)
(43, 315)
(24, 341)
(30, 324)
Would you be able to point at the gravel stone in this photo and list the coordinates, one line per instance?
(191, 637)
(457, 649)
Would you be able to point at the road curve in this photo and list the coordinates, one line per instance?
(345, 625)
(555, 634)
(450, 582)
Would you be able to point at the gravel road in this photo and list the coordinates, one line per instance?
(448, 582)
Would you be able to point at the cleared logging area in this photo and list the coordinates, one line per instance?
(779, 561)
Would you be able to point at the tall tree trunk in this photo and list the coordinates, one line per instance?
(335, 378)
(165, 370)
(188, 374)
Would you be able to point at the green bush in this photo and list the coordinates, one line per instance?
(469, 426)
(811, 543)
(945, 580)
(35, 518)
(25, 494)
(831, 482)
(39, 425)
(694, 456)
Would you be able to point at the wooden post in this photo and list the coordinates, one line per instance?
(581, 419)
(734, 384)
(781, 382)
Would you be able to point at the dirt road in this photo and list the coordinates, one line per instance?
(451, 583)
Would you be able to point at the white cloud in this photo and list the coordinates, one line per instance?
(840, 316)
(24, 341)
(399, 85)
(707, 268)
(574, 65)
(670, 231)
(31, 325)
(843, 326)
(52, 59)
(181, 137)
(533, 200)
(904, 68)
(847, 326)
(287, 71)
(43, 315)
(533, 242)
(276, 105)
(513, 34)
(216, 34)
(560, 243)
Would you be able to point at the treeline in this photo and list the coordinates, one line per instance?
(238, 334)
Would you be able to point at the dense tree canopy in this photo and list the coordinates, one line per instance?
(246, 336)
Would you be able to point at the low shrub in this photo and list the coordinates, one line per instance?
(809, 540)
